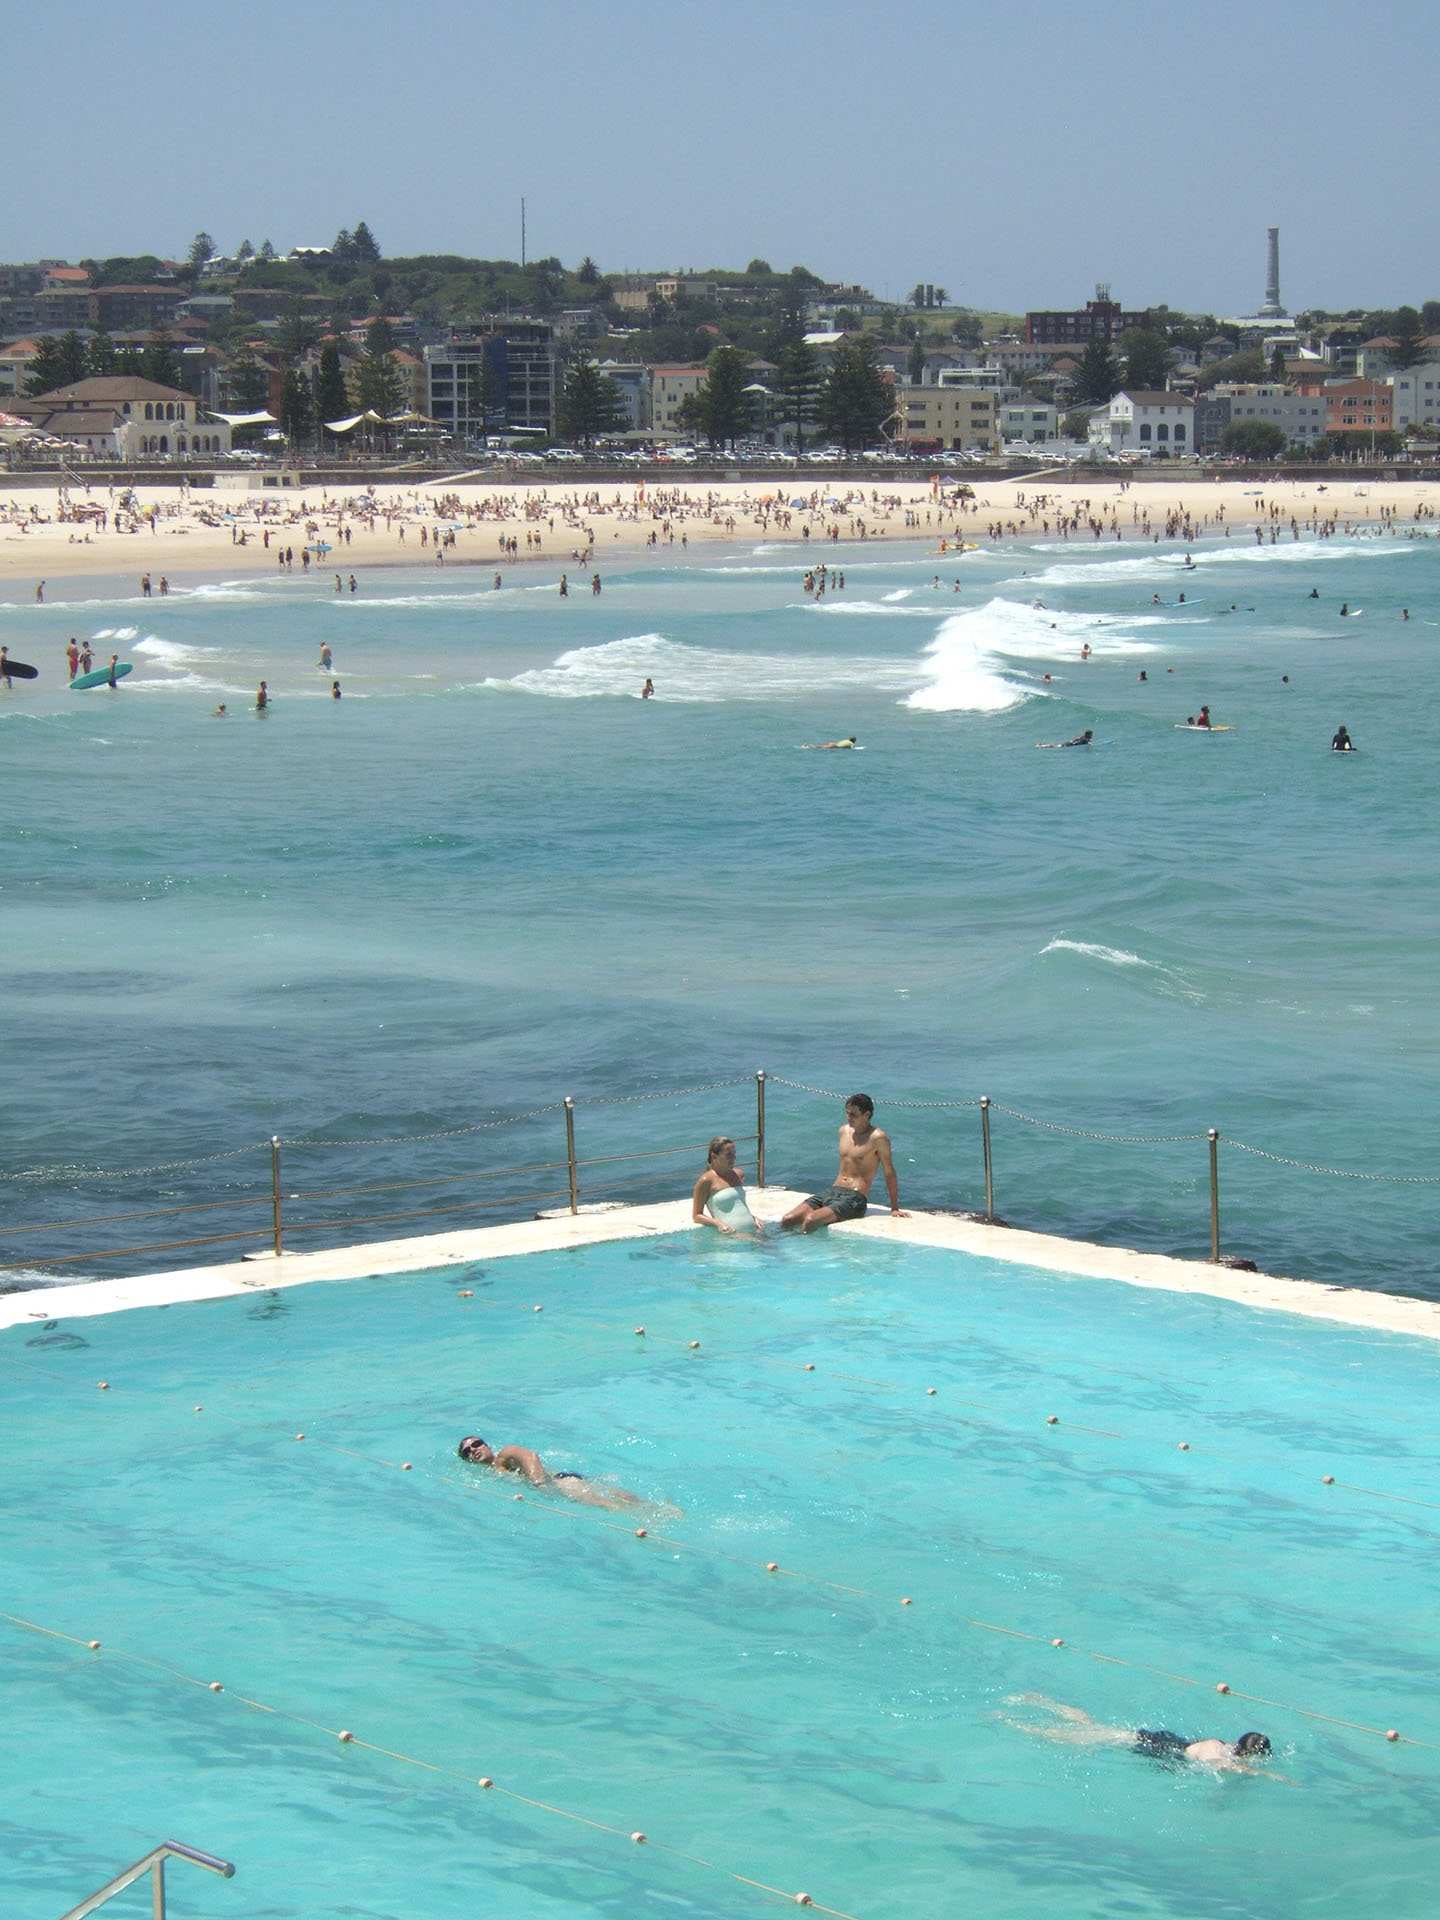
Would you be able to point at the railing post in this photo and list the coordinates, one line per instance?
(275, 1194)
(1214, 1139)
(570, 1151)
(760, 1128)
(157, 1893)
(989, 1175)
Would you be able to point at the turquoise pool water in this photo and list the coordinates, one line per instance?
(492, 876)
(804, 1730)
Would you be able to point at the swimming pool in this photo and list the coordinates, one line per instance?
(803, 1728)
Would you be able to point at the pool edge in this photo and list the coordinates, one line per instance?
(1349, 1306)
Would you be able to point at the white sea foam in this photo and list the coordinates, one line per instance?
(966, 663)
(1114, 956)
(1159, 564)
(114, 633)
(171, 654)
(684, 672)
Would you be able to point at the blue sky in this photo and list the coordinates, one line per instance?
(1014, 156)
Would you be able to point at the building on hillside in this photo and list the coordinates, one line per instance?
(670, 387)
(1212, 416)
(1357, 406)
(632, 378)
(1161, 425)
(1023, 358)
(150, 306)
(1101, 318)
(1028, 420)
(1300, 416)
(15, 364)
(126, 418)
(511, 361)
(1415, 396)
(945, 418)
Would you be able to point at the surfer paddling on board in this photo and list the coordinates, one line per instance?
(529, 1465)
(864, 1152)
(1342, 743)
(827, 746)
(1202, 719)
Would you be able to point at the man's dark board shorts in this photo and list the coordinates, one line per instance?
(843, 1202)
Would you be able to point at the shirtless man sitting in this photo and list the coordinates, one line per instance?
(511, 1459)
(864, 1152)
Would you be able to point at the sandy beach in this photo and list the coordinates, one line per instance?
(176, 533)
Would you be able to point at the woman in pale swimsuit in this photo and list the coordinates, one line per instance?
(720, 1192)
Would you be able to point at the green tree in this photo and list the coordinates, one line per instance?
(723, 410)
(588, 273)
(1097, 378)
(297, 406)
(1277, 361)
(915, 365)
(201, 248)
(296, 333)
(856, 398)
(267, 252)
(71, 349)
(364, 246)
(590, 405)
(158, 362)
(100, 356)
(243, 253)
(1253, 439)
(44, 373)
(797, 386)
(759, 269)
(249, 382)
(332, 396)
(378, 384)
(1408, 331)
(1144, 353)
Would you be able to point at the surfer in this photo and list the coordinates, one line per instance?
(111, 682)
(1074, 1725)
(1143, 674)
(719, 1198)
(1081, 739)
(1342, 743)
(1202, 719)
(827, 746)
(864, 1152)
(1344, 608)
(529, 1465)
(1314, 593)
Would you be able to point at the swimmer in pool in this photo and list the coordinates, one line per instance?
(828, 746)
(719, 1199)
(531, 1467)
(1075, 1726)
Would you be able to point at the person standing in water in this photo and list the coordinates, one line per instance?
(262, 698)
(719, 1198)
(1342, 743)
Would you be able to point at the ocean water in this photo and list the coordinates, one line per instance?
(491, 876)
(803, 1729)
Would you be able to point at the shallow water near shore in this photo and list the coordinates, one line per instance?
(490, 875)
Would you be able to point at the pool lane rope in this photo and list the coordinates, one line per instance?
(485, 1782)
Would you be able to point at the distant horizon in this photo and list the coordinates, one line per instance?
(1014, 160)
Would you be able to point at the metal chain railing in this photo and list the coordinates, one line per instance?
(574, 1165)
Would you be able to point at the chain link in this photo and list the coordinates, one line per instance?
(825, 1093)
(677, 1093)
(1336, 1173)
(450, 1133)
(1084, 1133)
(131, 1173)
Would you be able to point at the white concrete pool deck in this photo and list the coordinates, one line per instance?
(1350, 1306)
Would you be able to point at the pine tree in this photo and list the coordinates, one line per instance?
(201, 248)
(590, 405)
(1145, 357)
(332, 397)
(44, 373)
(71, 349)
(856, 398)
(100, 357)
(1408, 332)
(722, 410)
(297, 406)
(377, 378)
(158, 361)
(1097, 378)
(249, 382)
(364, 247)
(797, 382)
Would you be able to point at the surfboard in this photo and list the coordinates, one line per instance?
(100, 677)
(1190, 600)
(1180, 727)
(18, 670)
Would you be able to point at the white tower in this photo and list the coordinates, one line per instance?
(1272, 309)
